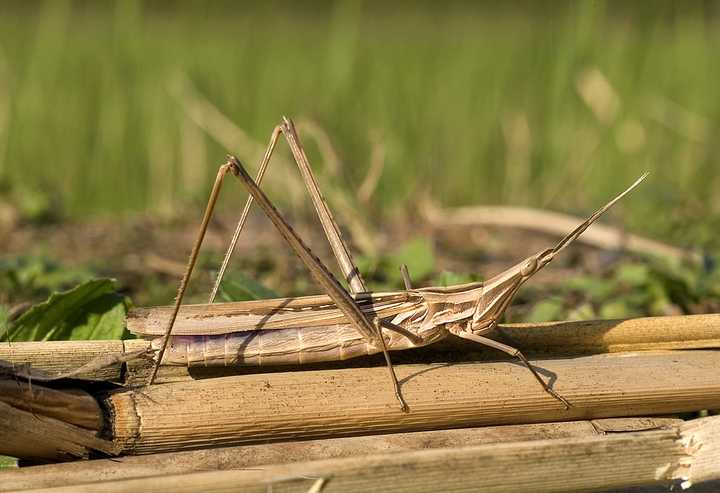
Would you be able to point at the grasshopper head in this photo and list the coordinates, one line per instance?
(498, 292)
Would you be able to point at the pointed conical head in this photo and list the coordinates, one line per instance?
(499, 291)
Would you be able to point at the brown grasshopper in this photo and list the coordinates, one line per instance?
(340, 324)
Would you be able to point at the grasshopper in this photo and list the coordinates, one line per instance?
(339, 324)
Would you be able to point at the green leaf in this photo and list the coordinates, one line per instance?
(616, 309)
(242, 288)
(633, 274)
(367, 265)
(92, 310)
(546, 311)
(417, 254)
(592, 287)
(35, 205)
(662, 307)
(4, 315)
(34, 276)
(7, 462)
(584, 311)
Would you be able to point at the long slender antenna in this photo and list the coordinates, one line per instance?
(573, 235)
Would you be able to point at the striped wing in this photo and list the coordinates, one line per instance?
(280, 313)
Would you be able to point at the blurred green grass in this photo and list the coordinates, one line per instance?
(555, 105)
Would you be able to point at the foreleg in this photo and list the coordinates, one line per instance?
(224, 169)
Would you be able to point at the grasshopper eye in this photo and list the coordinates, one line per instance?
(529, 268)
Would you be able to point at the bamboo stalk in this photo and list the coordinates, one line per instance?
(582, 463)
(313, 404)
(552, 338)
(276, 453)
(541, 339)
(64, 356)
(610, 336)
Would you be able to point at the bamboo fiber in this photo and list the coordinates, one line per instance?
(583, 463)
(280, 453)
(73, 406)
(41, 423)
(38, 437)
(314, 404)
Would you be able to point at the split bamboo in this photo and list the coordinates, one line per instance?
(331, 403)
(253, 456)
(73, 406)
(41, 438)
(38, 423)
(584, 463)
